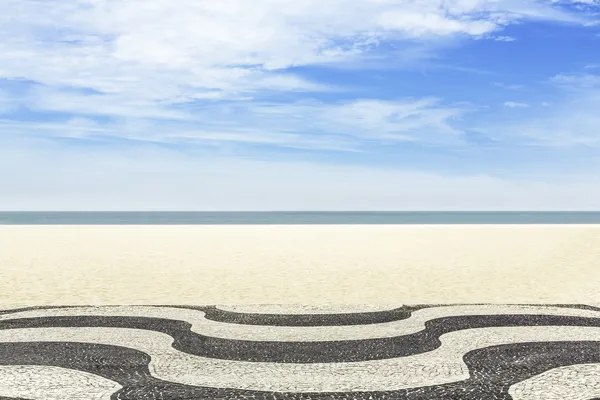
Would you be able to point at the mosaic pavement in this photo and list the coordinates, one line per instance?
(467, 352)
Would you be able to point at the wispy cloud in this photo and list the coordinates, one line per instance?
(514, 104)
(509, 86)
(573, 122)
(113, 105)
(576, 81)
(155, 52)
(309, 124)
(588, 2)
(505, 38)
(7, 102)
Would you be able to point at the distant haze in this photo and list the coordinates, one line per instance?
(169, 181)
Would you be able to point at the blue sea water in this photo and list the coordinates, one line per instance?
(294, 218)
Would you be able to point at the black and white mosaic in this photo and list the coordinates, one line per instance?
(470, 352)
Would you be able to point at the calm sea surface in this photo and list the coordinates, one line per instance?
(294, 218)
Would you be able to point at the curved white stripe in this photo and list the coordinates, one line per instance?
(439, 366)
(293, 309)
(574, 382)
(53, 383)
(224, 330)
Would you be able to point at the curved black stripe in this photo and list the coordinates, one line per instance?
(231, 317)
(365, 318)
(303, 352)
(492, 371)
(400, 313)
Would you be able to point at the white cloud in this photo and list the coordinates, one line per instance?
(508, 86)
(168, 70)
(56, 178)
(143, 131)
(576, 81)
(114, 105)
(418, 23)
(424, 120)
(408, 120)
(7, 102)
(513, 104)
(573, 122)
(590, 2)
(312, 125)
(505, 39)
(169, 51)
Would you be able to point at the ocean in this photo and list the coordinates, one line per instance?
(294, 218)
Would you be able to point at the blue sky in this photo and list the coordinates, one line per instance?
(300, 104)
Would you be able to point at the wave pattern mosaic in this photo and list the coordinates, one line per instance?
(277, 352)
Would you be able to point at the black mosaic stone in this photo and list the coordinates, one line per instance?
(377, 317)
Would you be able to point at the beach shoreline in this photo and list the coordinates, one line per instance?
(298, 264)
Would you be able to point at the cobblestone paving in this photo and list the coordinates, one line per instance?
(492, 352)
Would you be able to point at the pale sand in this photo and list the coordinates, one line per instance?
(43, 265)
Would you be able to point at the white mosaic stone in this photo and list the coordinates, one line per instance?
(53, 383)
(574, 382)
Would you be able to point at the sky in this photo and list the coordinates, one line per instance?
(300, 105)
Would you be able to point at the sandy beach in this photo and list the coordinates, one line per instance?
(399, 264)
